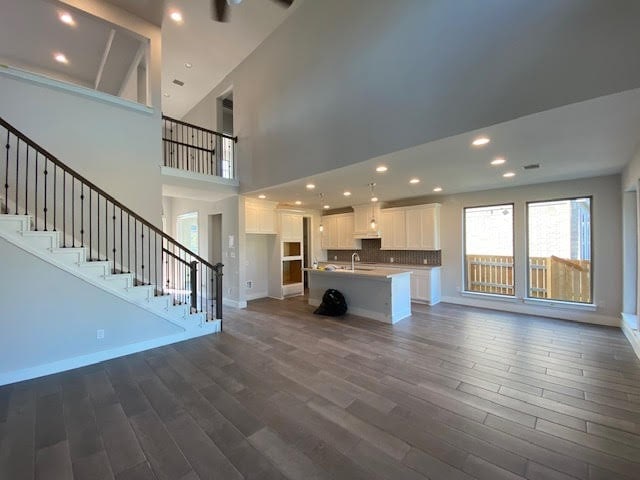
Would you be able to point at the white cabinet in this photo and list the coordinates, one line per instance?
(362, 217)
(290, 226)
(337, 232)
(393, 227)
(411, 228)
(425, 284)
(259, 217)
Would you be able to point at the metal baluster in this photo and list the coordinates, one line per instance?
(90, 224)
(26, 185)
(114, 238)
(106, 229)
(17, 165)
(45, 192)
(55, 196)
(73, 212)
(64, 208)
(6, 178)
(149, 264)
(82, 214)
(36, 189)
(98, 222)
(142, 256)
(129, 244)
(121, 245)
(135, 250)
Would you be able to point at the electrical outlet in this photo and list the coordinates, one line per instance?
(100, 334)
(335, 257)
(391, 260)
(249, 284)
(425, 261)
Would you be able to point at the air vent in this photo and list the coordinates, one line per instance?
(533, 166)
(180, 83)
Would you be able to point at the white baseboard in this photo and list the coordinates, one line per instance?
(256, 296)
(234, 303)
(632, 334)
(542, 311)
(91, 358)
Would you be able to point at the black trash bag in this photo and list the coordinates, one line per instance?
(333, 304)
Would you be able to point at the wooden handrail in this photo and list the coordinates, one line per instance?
(569, 263)
(101, 192)
(197, 127)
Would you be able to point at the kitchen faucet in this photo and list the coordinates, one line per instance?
(354, 258)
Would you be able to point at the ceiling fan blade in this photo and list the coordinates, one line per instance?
(219, 10)
(286, 3)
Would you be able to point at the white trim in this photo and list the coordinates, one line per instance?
(91, 358)
(256, 296)
(632, 334)
(542, 310)
(74, 89)
(234, 303)
(591, 307)
(490, 296)
(177, 172)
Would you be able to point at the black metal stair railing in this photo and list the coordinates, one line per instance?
(196, 149)
(59, 199)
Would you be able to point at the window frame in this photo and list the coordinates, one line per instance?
(464, 289)
(527, 292)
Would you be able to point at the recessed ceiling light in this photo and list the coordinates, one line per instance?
(298, 202)
(480, 141)
(188, 65)
(381, 169)
(347, 193)
(65, 17)
(508, 174)
(498, 161)
(61, 58)
(176, 16)
(414, 181)
(166, 94)
(327, 207)
(262, 196)
(437, 189)
(310, 186)
(374, 199)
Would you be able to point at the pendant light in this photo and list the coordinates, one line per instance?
(322, 205)
(373, 199)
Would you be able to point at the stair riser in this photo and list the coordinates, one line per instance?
(41, 240)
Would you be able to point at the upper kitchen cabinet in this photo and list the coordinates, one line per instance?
(411, 228)
(337, 232)
(393, 227)
(260, 217)
(362, 218)
(290, 226)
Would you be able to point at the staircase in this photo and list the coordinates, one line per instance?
(52, 212)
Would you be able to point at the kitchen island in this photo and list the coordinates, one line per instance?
(376, 293)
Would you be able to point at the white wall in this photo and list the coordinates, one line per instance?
(231, 256)
(607, 244)
(257, 265)
(116, 146)
(331, 89)
(49, 315)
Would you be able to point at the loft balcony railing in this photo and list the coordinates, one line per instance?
(59, 199)
(196, 149)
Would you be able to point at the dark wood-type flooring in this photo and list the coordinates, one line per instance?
(451, 393)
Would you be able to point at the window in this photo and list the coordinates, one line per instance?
(559, 250)
(488, 249)
(187, 231)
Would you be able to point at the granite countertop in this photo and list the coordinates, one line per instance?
(361, 271)
(382, 265)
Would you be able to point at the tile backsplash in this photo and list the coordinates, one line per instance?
(370, 252)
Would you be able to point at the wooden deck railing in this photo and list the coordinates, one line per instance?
(549, 277)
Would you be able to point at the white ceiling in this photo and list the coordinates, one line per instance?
(83, 44)
(586, 139)
(213, 48)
